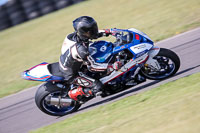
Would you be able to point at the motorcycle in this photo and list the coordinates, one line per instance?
(140, 60)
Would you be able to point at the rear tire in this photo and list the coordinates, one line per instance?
(49, 89)
(167, 55)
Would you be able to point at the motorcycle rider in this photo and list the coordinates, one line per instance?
(75, 53)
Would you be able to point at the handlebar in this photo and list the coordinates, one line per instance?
(120, 39)
(122, 36)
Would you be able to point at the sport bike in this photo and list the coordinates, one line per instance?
(140, 60)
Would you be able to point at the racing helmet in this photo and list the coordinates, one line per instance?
(86, 27)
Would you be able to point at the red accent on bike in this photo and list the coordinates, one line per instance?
(155, 48)
(117, 65)
(137, 37)
(41, 64)
(73, 94)
(46, 77)
(127, 70)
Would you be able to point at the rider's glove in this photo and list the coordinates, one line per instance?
(107, 32)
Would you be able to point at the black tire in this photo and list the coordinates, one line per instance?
(17, 18)
(77, 1)
(4, 19)
(45, 90)
(16, 15)
(62, 4)
(45, 6)
(46, 10)
(28, 3)
(3, 13)
(168, 54)
(18, 21)
(13, 6)
(4, 26)
(31, 9)
(44, 3)
(33, 15)
(22, 1)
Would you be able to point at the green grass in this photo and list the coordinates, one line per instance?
(171, 108)
(40, 40)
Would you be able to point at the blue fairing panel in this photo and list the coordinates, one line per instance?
(101, 51)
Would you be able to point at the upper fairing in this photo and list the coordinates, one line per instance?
(139, 32)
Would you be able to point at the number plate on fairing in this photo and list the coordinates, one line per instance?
(101, 51)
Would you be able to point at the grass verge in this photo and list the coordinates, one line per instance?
(171, 108)
(40, 40)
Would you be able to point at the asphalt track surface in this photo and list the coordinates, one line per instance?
(19, 114)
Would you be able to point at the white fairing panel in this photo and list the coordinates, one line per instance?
(39, 71)
(141, 47)
(139, 32)
(154, 51)
(124, 69)
(153, 62)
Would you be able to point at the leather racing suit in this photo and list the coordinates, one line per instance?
(74, 53)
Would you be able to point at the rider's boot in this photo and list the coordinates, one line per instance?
(78, 93)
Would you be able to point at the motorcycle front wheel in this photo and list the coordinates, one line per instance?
(169, 63)
(49, 91)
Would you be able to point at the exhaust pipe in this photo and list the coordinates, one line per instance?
(58, 101)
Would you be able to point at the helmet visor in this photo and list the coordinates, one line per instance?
(90, 31)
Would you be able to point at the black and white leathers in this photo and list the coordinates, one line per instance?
(74, 53)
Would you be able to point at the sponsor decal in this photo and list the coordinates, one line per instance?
(140, 46)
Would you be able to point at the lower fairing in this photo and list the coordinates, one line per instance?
(128, 66)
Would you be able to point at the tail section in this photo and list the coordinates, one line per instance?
(40, 72)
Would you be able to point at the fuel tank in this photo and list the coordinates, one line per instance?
(101, 51)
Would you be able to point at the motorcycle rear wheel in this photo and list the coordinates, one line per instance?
(169, 62)
(49, 89)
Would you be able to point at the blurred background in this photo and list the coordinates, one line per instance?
(25, 43)
(13, 12)
(28, 43)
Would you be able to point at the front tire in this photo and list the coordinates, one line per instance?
(47, 90)
(169, 62)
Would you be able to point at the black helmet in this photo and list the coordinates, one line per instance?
(86, 27)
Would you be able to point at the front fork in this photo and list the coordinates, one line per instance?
(153, 63)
